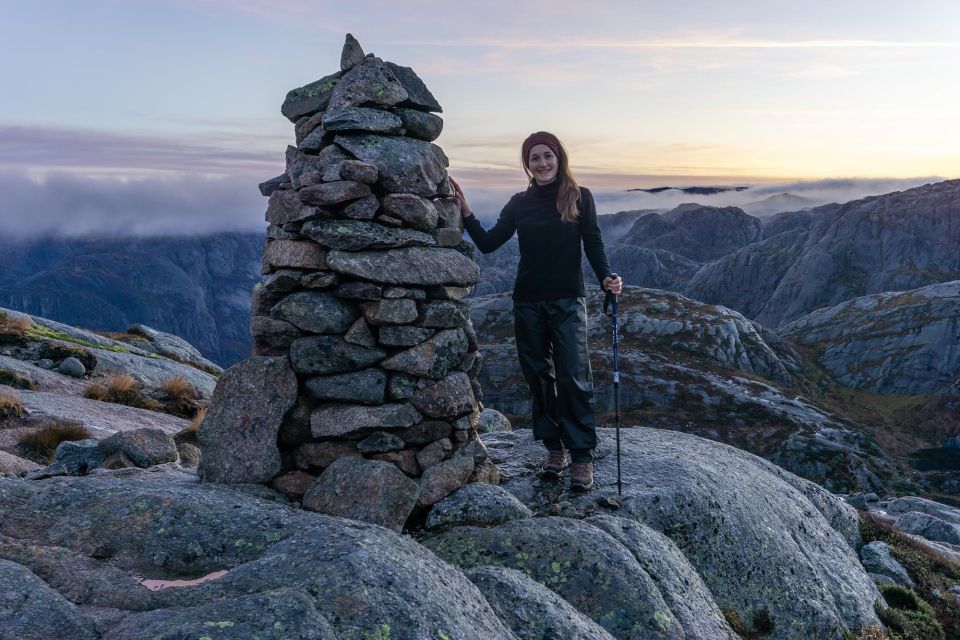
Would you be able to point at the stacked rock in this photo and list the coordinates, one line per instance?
(365, 274)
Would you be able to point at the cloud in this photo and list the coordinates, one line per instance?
(66, 205)
(43, 149)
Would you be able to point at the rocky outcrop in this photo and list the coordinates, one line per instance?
(364, 271)
(897, 342)
(705, 534)
(893, 242)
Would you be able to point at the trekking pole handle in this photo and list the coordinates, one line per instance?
(610, 298)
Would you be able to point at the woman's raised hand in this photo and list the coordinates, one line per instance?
(462, 199)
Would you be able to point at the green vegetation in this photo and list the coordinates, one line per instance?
(929, 611)
(40, 445)
(39, 331)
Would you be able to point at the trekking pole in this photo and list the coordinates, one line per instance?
(608, 301)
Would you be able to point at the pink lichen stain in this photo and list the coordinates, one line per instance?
(157, 585)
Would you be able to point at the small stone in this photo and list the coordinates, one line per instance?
(433, 358)
(420, 124)
(331, 193)
(145, 447)
(478, 505)
(444, 478)
(366, 387)
(447, 237)
(72, 367)
(322, 355)
(300, 163)
(392, 336)
(369, 82)
(380, 442)
(405, 460)
(306, 125)
(46, 363)
(402, 292)
(317, 139)
(316, 312)
(293, 484)
(492, 420)
(417, 266)
(359, 291)
(355, 235)
(358, 171)
(285, 207)
(340, 420)
(401, 386)
(351, 55)
(294, 254)
(451, 397)
(319, 280)
(426, 432)
(310, 98)
(389, 220)
(418, 96)
(397, 311)
(273, 334)
(79, 457)
(442, 314)
(271, 185)
(414, 210)
(361, 119)
(359, 333)
(322, 454)
(362, 209)
(434, 452)
(449, 211)
(368, 490)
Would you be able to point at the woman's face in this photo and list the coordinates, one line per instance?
(543, 163)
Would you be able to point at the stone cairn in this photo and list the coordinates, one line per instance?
(361, 332)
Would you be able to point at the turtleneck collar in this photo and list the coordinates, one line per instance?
(546, 191)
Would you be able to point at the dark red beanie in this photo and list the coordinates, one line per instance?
(540, 137)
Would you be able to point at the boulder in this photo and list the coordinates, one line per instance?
(478, 504)
(417, 266)
(433, 358)
(72, 367)
(175, 348)
(419, 124)
(31, 610)
(531, 610)
(144, 447)
(368, 490)
(351, 55)
(877, 559)
(11, 465)
(292, 254)
(493, 420)
(929, 527)
(238, 436)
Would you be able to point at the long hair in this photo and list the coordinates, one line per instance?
(569, 192)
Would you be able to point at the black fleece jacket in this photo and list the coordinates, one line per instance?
(550, 250)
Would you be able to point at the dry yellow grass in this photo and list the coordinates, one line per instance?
(10, 405)
(179, 397)
(120, 388)
(197, 419)
(14, 325)
(41, 444)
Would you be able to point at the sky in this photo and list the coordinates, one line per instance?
(163, 116)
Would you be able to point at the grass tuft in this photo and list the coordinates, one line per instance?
(10, 405)
(17, 381)
(40, 445)
(14, 326)
(121, 388)
(179, 397)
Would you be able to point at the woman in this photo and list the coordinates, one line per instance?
(553, 218)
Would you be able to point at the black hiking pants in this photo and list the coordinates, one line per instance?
(552, 347)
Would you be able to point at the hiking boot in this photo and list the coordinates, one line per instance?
(581, 476)
(554, 464)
